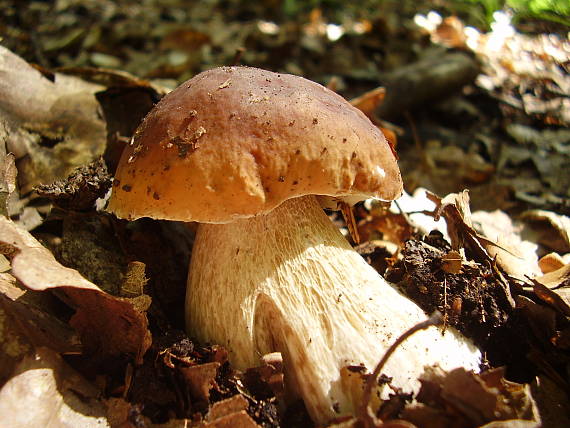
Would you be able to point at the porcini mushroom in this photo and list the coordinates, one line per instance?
(243, 151)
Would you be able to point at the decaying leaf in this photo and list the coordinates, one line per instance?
(45, 391)
(80, 190)
(108, 326)
(476, 399)
(134, 281)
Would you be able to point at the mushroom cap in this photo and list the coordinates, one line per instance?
(234, 142)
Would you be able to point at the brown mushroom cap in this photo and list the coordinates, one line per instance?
(237, 141)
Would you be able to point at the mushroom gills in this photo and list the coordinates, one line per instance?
(288, 281)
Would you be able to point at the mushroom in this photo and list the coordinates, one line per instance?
(244, 151)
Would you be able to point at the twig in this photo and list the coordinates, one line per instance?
(367, 416)
(237, 56)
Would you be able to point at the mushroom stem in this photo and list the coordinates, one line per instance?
(288, 281)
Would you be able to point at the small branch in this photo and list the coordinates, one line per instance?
(237, 56)
(367, 415)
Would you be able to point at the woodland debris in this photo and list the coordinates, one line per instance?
(472, 400)
(45, 391)
(108, 326)
(80, 190)
(53, 121)
(429, 79)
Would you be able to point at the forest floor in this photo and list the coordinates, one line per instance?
(94, 315)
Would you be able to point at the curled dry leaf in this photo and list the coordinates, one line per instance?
(556, 278)
(81, 189)
(515, 255)
(553, 229)
(550, 262)
(45, 391)
(108, 326)
(26, 324)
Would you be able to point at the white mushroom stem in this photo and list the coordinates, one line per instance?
(288, 281)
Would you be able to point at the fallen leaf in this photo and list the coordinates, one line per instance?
(226, 407)
(268, 379)
(234, 420)
(54, 121)
(557, 278)
(452, 262)
(552, 401)
(550, 262)
(27, 324)
(558, 300)
(516, 256)
(108, 326)
(551, 229)
(200, 379)
(45, 391)
(369, 101)
(480, 398)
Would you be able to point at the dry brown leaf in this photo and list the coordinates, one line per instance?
(8, 173)
(553, 229)
(200, 379)
(450, 33)
(118, 412)
(268, 378)
(480, 398)
(452, 262)
(553, 402)
(550, 262)
(226, 407)
(369, 101)
(46, 392)
(516, 256)
(559, 300)
(54, 123)
(108, 326)
(557, 278)
(235, 420)
(27, 325)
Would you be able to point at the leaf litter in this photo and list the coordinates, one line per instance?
(501, 278)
